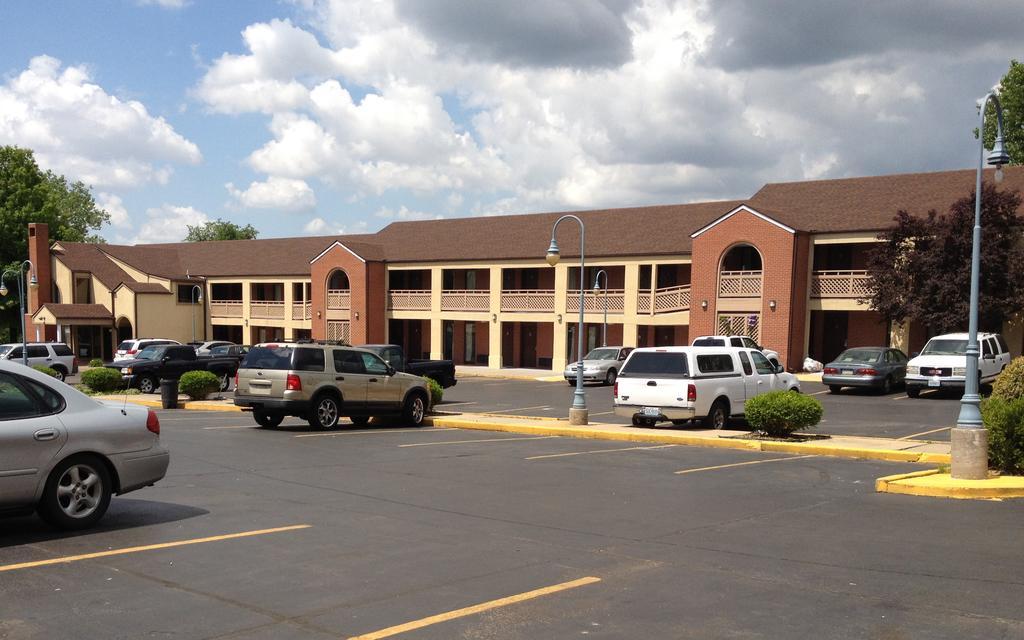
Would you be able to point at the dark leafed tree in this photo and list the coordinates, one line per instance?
(920, 271)
(1011, 97)
(220, 230)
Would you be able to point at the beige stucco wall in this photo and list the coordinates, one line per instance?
(160, 316)
(64, 280)
(124, 306)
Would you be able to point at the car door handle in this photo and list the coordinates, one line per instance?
(373, 379)
(45, 434)
(760, 382)
(340, 378)
(652, 383)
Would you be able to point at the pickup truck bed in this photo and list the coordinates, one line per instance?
(443, 371)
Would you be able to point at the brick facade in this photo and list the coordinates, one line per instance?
(368, 287)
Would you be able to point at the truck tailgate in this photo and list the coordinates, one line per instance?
(652, 392)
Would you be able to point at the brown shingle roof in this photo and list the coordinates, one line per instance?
(83, 256)
(145, 287)
(76, 311)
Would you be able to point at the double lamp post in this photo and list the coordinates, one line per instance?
(33, 282)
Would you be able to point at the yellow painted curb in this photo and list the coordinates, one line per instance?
(198, 405)
(934, 484)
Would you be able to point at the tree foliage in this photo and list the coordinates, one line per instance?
(220, 230)
(1011, 97)
(920, 271)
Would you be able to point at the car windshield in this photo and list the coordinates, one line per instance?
(219, 351)
(125, 346)
(945, 347)
(4, 349)
(655, 364)
(278, 357)
(709, 342)
(859, 355)
(603, 354)
(149, 353)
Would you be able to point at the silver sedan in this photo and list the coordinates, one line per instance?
(64, 454)
(600, 365)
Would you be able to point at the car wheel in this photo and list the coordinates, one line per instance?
(610, 377)
(834, 388)
(325, 412)
(225, 382)
(571, 383)
(267, 420)
(77, 493)
(360, 421)
(718, 417)
(886, 386)
(913, 392)
(148, 384)
(415, 410)
(61, 373)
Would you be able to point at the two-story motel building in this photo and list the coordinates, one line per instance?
(786, 266)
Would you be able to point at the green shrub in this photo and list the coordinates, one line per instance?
(436, 391)
(1004, 420)
(780, 413)
(102, 380)
(95, 362)
(44, 369)
(198, 384)
(1010, 383)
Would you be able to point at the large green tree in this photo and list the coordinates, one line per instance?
(28, 194)
(220, 230)
(920, 271)
(1011, 97)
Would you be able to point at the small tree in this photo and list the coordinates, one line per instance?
(220, 230)
(1011, 97)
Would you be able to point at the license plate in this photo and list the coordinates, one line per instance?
(651, 411)
(934, 382)
(847, 372)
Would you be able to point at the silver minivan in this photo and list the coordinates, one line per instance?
(55, 355)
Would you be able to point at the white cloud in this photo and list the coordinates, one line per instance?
(78, 129)
(164, 4)
(168, 223)
(113, 205)
(286, 194)
(321, 227)
(404, 213)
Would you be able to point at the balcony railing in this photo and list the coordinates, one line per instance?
(665, 300)
(528, 300)
(840, 284)
(740, 284)
(302, 311)
(465, 300)
(594, 302)
(339, 299)
(409, 299)
(270, 309)
(226, 308)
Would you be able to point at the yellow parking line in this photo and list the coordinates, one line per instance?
(361, 433)
(740, 464)
(586, 453)
(818, 393)
(149, 547)
(924, 433)
(431, 444)
(476, 608)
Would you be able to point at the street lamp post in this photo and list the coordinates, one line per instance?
(195, 288)
(578, 413)
(21, 298)
(597, 288)
(969, 439)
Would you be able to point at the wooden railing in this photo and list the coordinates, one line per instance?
(465, 300)
(226, 308)
(593, 302)
(739, 284)
(528, 300)
(302, 311)
(409, 299)
(272, 309)
(339, 330)
(339, 299)
(840, 284)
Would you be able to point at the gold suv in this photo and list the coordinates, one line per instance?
(322, 383)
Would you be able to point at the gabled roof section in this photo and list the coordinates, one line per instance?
(87, 257)
(143, 287)
(744, 208)
(66, 312)
(377, 254)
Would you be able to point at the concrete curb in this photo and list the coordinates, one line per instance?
(499, 376)
(197, 405)
(606, 432)
(935, 484)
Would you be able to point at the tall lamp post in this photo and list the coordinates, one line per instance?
(33, 282)
(597, 288)
(969, 439)
(195, 298)
(578, 413)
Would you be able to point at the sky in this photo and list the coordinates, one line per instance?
(316, 117)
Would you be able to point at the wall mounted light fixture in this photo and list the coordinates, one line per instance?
(494, 317)
(318, 315)
(704, 305)
(772, 304)
(559, 318)
(357, 315)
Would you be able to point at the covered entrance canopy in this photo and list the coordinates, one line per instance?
(87, 328)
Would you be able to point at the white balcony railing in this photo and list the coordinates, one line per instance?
(267, 309)
(409, 299)
(740, 284)
(302, 311)
(840, 284)
(339, 299)
(528, 300)
(226, 308)
(593, 302)
(465, 300)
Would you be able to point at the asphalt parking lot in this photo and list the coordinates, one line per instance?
(852, 412)
(436, 533)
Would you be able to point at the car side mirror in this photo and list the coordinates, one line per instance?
(780, 369)
(165, 359)
(391, 370)
(759, 347)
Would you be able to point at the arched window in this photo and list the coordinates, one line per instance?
(337, 280)
(742, 257)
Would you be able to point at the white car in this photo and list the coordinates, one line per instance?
(735, 341)
(686, 383)
(56, 355)
(204, 348)
(128, 349)
(942, 364)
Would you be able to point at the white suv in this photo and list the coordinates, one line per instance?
(128, 348)
(735, 341)
(942, 363)
(56, 355)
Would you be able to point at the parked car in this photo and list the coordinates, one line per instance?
(204, 348)
(171, 361)
(600, 365)
(443, 371)
(129, 349)
(942, 364)
(735, 341)
(321, 383)
(65, 454)
(879, 368)
(231, 350)
(686, 383)
(56, 355)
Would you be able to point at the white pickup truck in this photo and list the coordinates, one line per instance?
(686, 383)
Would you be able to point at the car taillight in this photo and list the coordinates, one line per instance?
(236, 379)
(830, 370)
(292, 383)
(131, 352)
(152, 422)
(691, 393)
(615, 389)
(867, 372)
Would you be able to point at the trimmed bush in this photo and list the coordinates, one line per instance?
(198, 384)
(436, 391)
(102, 380)
(95, 362)
(1004, 420)
(780, 413)
(1009, 385)
(41, 368)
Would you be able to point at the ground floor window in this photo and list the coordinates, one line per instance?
(268, 334)
(228, 332)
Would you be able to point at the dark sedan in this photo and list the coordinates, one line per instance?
(879, 368)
